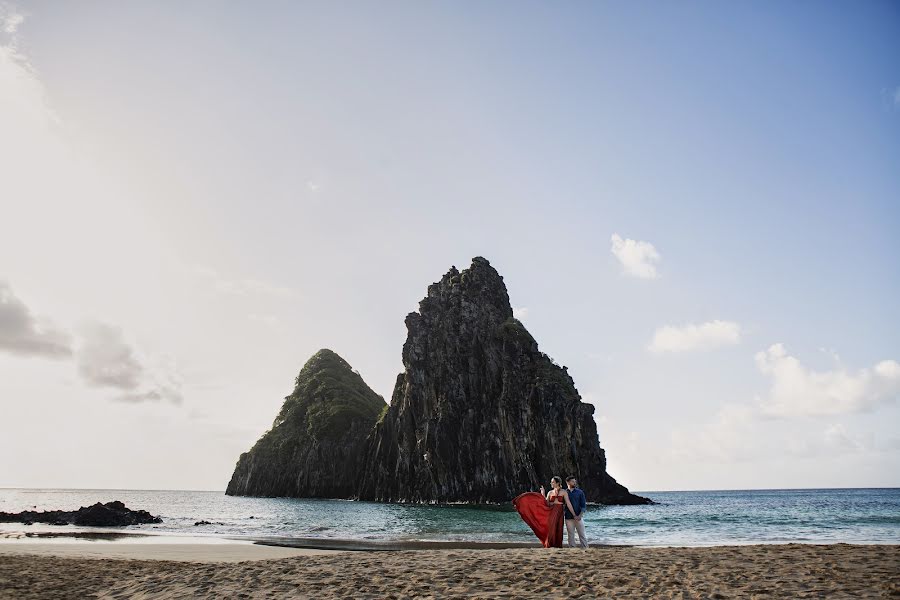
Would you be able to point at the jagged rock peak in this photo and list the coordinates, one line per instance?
(480, 284)
(479, 413)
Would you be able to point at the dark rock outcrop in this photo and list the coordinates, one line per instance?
(314, 448)
(111, 514)
(479, 413)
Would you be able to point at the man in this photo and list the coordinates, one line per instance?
(575, 522)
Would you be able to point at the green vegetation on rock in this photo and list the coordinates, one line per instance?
(315, 442)
(328, 396)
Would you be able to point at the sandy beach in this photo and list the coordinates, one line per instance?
(187, 552)
(764, 571)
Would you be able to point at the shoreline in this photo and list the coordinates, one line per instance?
(111, 538)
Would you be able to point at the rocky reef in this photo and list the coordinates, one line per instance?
(314, 448)
(111, 514)
(478, 415)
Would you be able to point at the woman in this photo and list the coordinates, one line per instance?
(545, 514)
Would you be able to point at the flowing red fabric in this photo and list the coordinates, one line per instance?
(545, 521)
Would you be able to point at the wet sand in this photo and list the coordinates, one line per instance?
(765, 571)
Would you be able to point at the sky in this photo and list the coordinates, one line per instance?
(695, 207)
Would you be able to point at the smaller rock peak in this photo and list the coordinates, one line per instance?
(326, 354)
(324, 359)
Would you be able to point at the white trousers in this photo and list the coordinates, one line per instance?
(571, 526)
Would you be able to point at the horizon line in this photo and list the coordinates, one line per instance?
(783, 489)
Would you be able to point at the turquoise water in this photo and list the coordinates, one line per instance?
(679, 518)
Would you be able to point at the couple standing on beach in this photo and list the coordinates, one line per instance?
(546, 513)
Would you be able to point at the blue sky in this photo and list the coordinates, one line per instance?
(218, 191)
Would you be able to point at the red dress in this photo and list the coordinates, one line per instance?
(545, 521)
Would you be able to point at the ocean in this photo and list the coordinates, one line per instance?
(701, 518)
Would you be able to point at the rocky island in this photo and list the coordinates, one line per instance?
(478, 415)
(111, 514)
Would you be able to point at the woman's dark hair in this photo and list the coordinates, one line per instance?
(557, 479)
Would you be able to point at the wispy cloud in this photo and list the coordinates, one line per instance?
(837, 436)
(733, 435)
(103, 358)
(24, 334)
(799, 391)
(268, 320)
(41, 175)
(10, 18)
(106, 360)
(704, 336)
(244, 287)
(639, 259)
(724, 438)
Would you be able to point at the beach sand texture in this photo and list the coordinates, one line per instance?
(786, 571)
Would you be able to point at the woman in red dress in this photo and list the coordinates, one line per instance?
(545, 514)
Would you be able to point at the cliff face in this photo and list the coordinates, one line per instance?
(479, 413)
(314, 448)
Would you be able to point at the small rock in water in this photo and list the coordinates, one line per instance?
(202, 523)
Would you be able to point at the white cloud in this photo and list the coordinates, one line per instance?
(638, 258)
(704, 336)
(520, 312)
(24, 334)
(799, 391)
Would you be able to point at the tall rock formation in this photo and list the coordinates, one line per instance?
(479, 413)
(314, 448)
